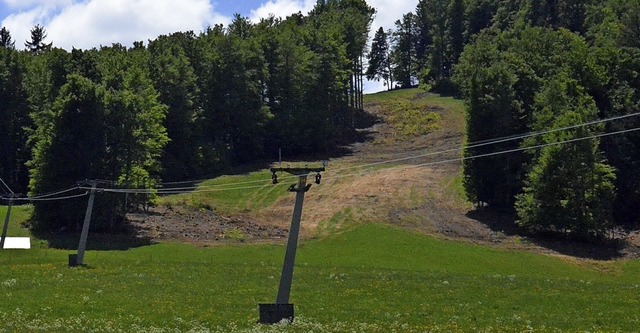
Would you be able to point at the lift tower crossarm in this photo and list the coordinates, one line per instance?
(298, 171)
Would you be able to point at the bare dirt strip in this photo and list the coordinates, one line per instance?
(414, 193)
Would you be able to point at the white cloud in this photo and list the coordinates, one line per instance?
(281, 8)
(87, 24)
(18, 4)
(389, 11)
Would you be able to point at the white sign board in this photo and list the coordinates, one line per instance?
(17, 243)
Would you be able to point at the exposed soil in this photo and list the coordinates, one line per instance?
(416, 194)
(200, 226)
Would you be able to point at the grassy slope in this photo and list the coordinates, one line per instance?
(372, 274)
(232, 194)
(369, 278)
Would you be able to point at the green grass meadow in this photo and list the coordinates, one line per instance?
(233, 194)
(370, 278)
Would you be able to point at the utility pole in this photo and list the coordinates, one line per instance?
(5, 227)
(78, 259)
(282, 309)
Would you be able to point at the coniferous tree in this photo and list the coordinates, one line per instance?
(37, 45)
(570, 188)
(5, 39)
(403, 52)
(175, 81)
(379, 59)
(630, 34)
(455, 31)
(14, 112)
(479, 15)
(423, 35)
(68, 147)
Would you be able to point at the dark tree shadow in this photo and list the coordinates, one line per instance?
(127, 238)
(608, 249)
(360, 133)
(595, 249)
(496, 220)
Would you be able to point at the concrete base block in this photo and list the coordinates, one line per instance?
(73, 260)
(275, 313)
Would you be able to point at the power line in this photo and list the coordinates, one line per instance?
(51, 194)
(236, 186)
(7, 186)
(489, 142)
(149, 191)
(154, 191)
(460, 159)
(52, 199)
(230, 186)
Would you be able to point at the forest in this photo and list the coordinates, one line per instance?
(558, 75)
(190, 105)
(183, 106)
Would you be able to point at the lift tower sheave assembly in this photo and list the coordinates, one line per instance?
(272, 313)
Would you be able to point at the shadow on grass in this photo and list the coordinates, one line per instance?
(596, 249)
(127, 239)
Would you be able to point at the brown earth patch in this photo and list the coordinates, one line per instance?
(415, 193)
(200, 226)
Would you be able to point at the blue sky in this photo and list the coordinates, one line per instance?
(86, 24)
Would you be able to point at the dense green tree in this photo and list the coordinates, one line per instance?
(134, 117)
(6, 41)
(14, 112)
(479, 16)
(351, 20)
(85, 63)
(570, 187)
(423, 35)
(439, 66)
(233, 112)
(455, 31)
(96, 130)
(240, 27)
(630, 30)
(379, 59)
(618, 94)
(403, 52)
(37, 45)
(500, 76)
(69, 146)
(290, 78)
(569, 14)
(175, 81)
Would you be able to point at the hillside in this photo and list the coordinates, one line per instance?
(359, 274)
(405, 171)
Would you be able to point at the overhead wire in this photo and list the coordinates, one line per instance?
(7, 186)
(520, 149)
(154, 191)
(489, 142)
(51, 194)
(237, 185)
(52, 199)
(459, 159)
(233, 186)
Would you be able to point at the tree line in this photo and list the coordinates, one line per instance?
(184, 106)
(530, 66)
